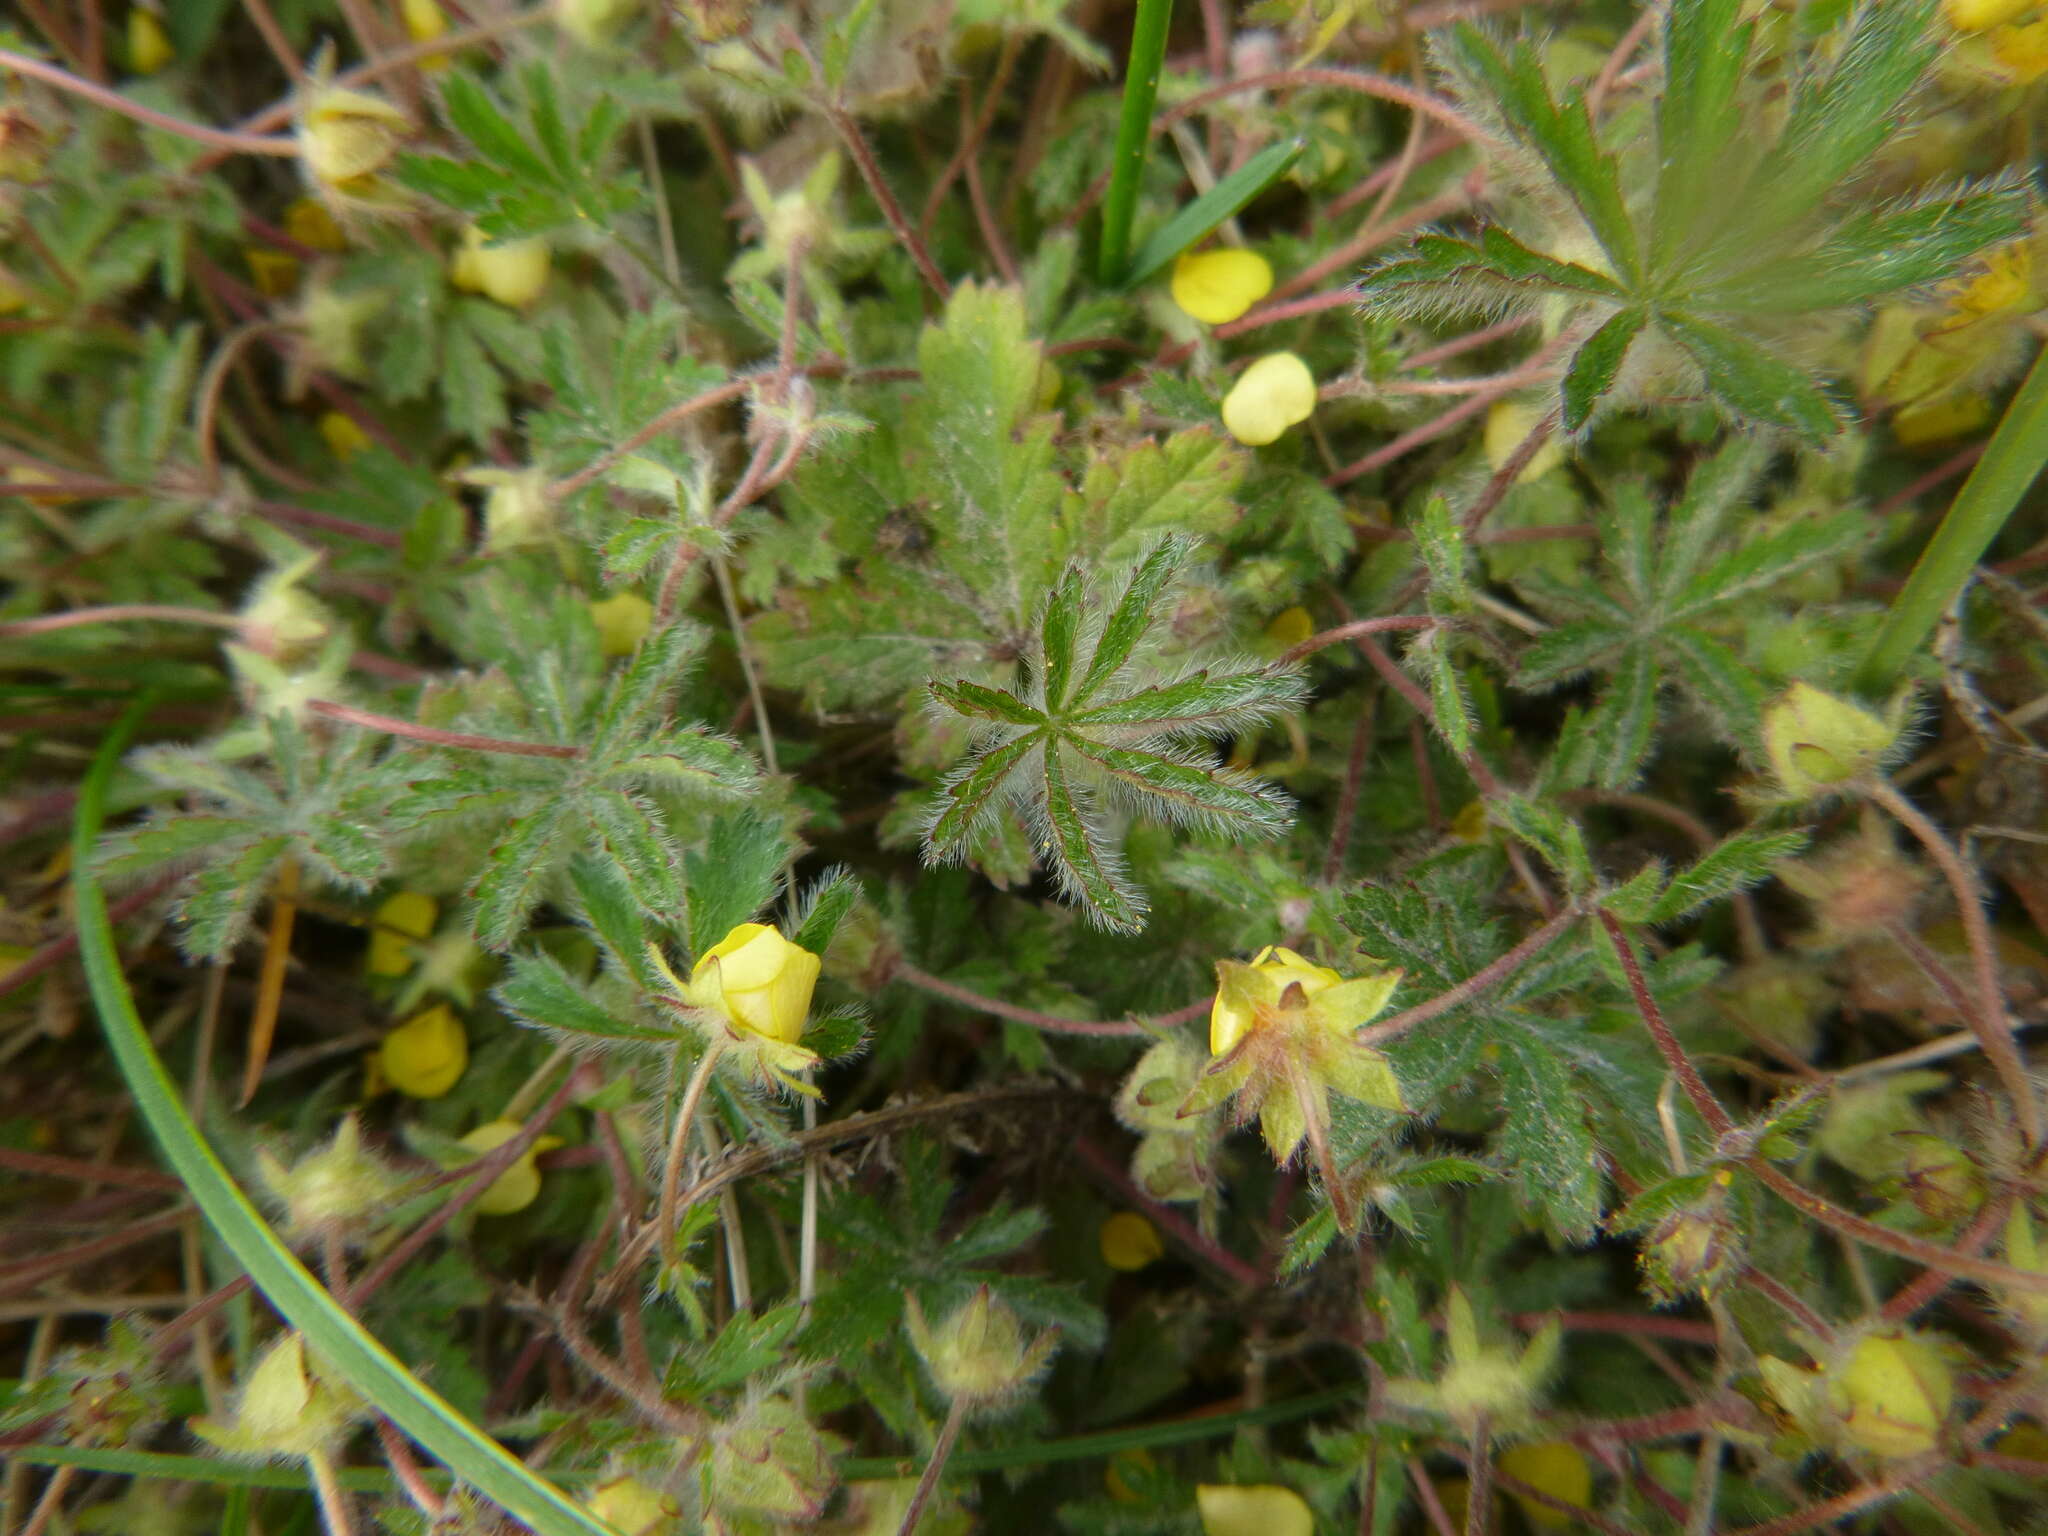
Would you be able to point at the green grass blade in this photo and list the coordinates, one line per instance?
(1213, 207)
(1133, 136)
(336, 1337)
(2017, 451)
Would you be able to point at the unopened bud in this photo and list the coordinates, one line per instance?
(1891, 1394)
(634, 1508)
(285, 1410)
(978, 1354)
(1817, 742)
(348, 136)
(341, 1186)
(517, 513)
(770, 1461)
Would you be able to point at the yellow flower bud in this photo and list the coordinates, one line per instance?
(1559, 1469)
(341, 1185)
(518, 1186)
(1256, 1509)
(149, 46)
(1272, 395)
(634, 1508)
(346, 135)
(758, 980)
(1129, 1242)
(1261, 984)
(978, 1354)
(402, 917)
(307, 221)
(424, 1057)
(1508, 422)
(513, 272)
(1978, 15)
(283, 621)
(622, 622)
(424, 21)
(1892, 1394)
(1816, 741)
(1215, 287)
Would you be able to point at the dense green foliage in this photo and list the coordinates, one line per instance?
(795, 815)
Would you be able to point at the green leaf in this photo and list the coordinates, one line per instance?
(1452, 707)
(1440, 543)
(1623, 723)
(474, 115)
(735, 877)
(968, 795)
(979, 703)
(1220, 202)
(509, 887)
(1133, 615)
(1596, 363)
(537, 990)
(1753, 382)
(1545, 1141)
(1699, 119)
(1561, 136)
(613, 914)
(825, 906)
(330, 1330)
(1086, 866)
(1732, 865)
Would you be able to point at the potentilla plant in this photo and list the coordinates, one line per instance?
(699, 702)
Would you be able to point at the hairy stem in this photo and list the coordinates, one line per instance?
(679, 1147)
(942, 1450)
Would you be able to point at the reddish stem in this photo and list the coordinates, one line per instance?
(1470, 987)
(1689, 1079)
(1052, 1023)
(370, 720)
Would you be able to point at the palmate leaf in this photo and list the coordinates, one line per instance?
(1736, 241)
(1099, 733)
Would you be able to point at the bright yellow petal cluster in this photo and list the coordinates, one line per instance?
(759, 980)
(1244, 989)
(1215, 287)
(402, 919)
(1275, 393)
(1129, 1242)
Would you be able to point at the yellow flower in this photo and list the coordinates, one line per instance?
(424, 1057)
(1816, 741)
(1892, 1394)
(345, 439)
(1290, 627)
(622, 622)
(1215, 287)
(518, 1186)
(1977, 15)
(346, 136)
(1272, 395)
(1281, 1032)
(1129, 1242)
(759, 980)
(1557, 1467)
(149, 46)
(425, 21)
(307, 221)
(513, 272)
(1507, 423)
(1255, 1509)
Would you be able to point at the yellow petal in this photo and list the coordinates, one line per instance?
(345, 439)
(1275, 393)
(1258, 1509)
(149, 46)
(1559, 1469)
(308, 222)
(1129, 1242)
(518, 1186)
(1217, 286)
(1508, 422)
(1976, 15)
(425, 1056)
(623, 620)
(402, 917)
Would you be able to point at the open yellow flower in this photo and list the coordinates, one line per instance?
(1215, 287)
(1281, 1031)
(1275, 393)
